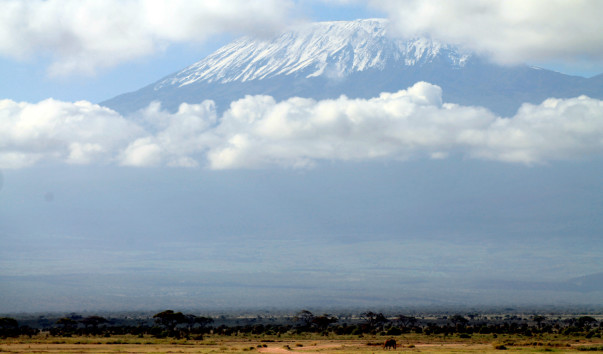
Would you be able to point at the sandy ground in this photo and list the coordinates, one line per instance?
(96, 348)
(272, 348)
(306, 350)
(305, 347)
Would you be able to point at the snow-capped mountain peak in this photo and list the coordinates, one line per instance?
(359, 59)
(332, 49)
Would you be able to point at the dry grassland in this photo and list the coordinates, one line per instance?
(225, 344)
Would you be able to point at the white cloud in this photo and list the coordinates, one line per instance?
(556, 129)
(78, 133)
(257, 131)
(509, 31)
(84, 35)
(81, 36)
(173, 138)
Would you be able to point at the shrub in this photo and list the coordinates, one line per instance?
(590, 349)
(357, 331)
(394, 331)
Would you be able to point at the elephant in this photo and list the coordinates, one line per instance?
(390, 344)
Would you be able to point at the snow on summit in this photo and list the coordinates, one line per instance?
(332, 49)
(358, 59)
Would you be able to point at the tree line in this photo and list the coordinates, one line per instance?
(174, 324)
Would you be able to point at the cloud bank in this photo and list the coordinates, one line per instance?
(508, 31)
(257, 132)
(81, 36)
(78, 133)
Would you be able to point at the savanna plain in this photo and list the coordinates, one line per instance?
(175, 332)
(301, 344)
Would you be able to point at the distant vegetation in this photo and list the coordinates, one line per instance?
(171, 324)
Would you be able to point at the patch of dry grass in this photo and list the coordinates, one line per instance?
(295, 344)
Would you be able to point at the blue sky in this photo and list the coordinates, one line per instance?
(94, 215)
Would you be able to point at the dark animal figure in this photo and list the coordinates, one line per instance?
(390, 344)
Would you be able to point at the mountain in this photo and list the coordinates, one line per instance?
(592, 283)
(356, 58)
(330, 49)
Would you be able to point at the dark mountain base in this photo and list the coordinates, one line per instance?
(500, 89)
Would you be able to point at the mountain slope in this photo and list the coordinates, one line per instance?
(358, 59)
(331, 49)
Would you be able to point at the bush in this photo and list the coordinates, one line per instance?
(357, 331)
(394, 331)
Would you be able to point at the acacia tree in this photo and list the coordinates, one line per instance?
(304, 318)
(458, 320)
(193, 320)
(585, 321)
(94, 322)
(203, 321)
(323, 322)
(170, 319)
(9, 327)
(406, 321)
(374, 320)
(68, 325)
(539, 319)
